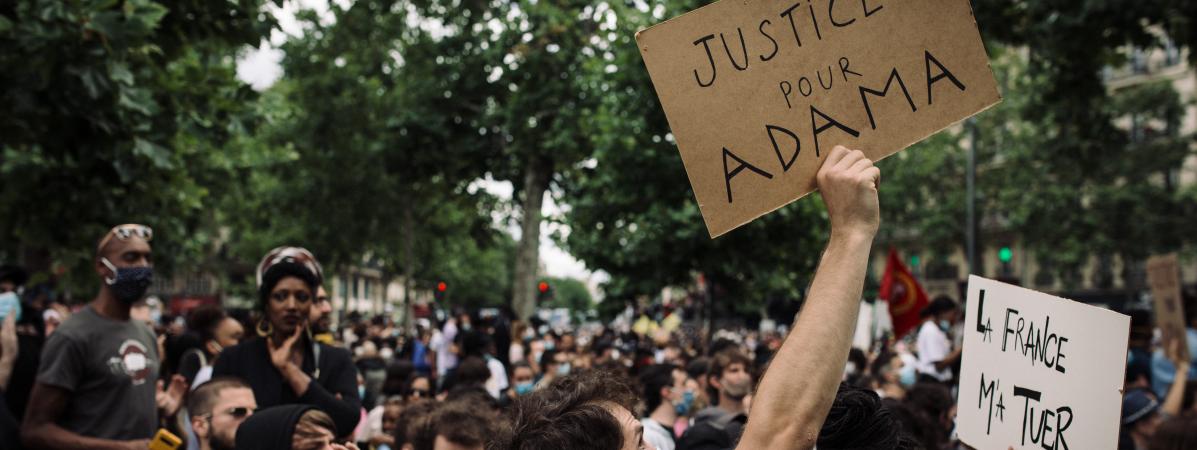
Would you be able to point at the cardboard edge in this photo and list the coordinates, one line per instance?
(679, 16)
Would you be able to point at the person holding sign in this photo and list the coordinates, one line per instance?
(796, 392)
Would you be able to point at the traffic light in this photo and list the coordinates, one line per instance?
(1005, 255)
(544, 292)
(439, 292)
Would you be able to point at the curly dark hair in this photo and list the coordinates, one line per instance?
(859, 420)
(569, 413)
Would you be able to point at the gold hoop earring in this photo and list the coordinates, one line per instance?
(269, 330)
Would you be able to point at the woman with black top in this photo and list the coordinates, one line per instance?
(283, 364)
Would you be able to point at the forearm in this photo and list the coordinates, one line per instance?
(798, 388)
(296, 379)
(51, 436)
(1176, 393)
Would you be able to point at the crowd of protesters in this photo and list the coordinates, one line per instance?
(111, 373)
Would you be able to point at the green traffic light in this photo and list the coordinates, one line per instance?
(1005, 255)
(914, 260)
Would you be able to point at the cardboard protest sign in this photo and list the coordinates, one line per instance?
(1163, 275)
(1039, 372)
(758, 92)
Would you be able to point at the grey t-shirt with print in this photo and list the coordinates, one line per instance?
(110, 368)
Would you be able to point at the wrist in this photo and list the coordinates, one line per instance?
(853, 235)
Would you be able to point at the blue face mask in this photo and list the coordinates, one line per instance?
(10, 304)
(361, 392)
(687, 401)
(907, 376)
(563, 369)
(524, 388)
(945, 325)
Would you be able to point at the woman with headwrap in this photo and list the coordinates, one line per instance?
(283, 364)
(289, 427)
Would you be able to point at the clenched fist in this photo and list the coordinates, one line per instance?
(848, 183)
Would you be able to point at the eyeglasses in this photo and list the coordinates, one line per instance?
(125, 232)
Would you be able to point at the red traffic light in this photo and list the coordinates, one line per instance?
(543, 287)
(440, 287)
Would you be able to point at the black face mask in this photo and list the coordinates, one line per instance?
(130, 283)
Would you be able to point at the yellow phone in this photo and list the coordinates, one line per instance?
(165, 440)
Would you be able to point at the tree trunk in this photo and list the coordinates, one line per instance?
(409, 261)
(527, 257)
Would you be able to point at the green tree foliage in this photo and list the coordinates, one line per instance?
(382, 156)
(569, 293)
(115, 112)
(632, 213)
(1075, 169)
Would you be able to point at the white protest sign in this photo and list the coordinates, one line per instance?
(1038, 371)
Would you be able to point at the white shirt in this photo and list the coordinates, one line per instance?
(497, 383)
(657, 435)
(933, 346)
(442, 344)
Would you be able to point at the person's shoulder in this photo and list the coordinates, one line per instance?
(78, 325)
(927, 328)
(242, 348)
(335, 354)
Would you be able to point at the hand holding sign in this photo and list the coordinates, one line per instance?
(757, 92)
(848, 182)
(1039, 371)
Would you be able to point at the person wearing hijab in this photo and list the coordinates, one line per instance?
(289, 427)
(283, 364)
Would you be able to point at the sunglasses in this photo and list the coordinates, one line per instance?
(126, 232)
(420, 392)
(240, 412)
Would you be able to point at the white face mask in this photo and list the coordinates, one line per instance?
(387, 353)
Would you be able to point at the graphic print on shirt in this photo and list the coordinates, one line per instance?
(133, 361)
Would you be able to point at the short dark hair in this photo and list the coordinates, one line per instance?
(547, 358)
(940, 304)
(571, 412)
(858, 419)
(413, 418)
(698, 367)
(471, 372)
(652, 379)
(204, 397)
(461, 422)
(399, 373)
(204, 320)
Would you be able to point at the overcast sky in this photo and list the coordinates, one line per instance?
(260, 68)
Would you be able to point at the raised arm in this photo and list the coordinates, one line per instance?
(797, 390)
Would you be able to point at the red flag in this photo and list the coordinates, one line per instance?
(904, 295)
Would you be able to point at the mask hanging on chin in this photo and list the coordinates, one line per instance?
(128, 283)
